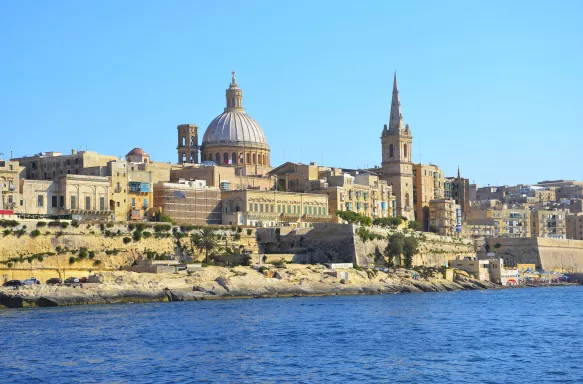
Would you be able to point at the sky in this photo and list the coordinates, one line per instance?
(494, 87)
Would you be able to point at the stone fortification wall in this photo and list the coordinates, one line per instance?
(434, 250)
(324, 243)
(24, 253)
(547, 254)
(341, 243)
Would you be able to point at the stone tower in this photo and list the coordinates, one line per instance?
(187, 144)
(397, 167)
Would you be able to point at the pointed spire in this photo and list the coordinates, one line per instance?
(458, 172)
(233, 80)
(396, 121)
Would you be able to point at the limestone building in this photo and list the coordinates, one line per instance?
(358, 191)
(10, 175)
(273, 208)
(445, 217)
(397, 166)
(549, 223)
(575, 226)
(507, 222)
(51, 165)
(223, 177)
(429, 184)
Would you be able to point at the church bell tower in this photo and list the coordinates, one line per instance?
(397, 167)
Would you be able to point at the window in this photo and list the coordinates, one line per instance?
(218, 158)
(261, 207)
(248, 158)
(73, 202)
(61, 201)
(102, 203)
(233, 158)
(225, 158)
(40, 201)
(133, 201)
(256, 207)
(54, 201)
(391, 150)
(87, 202)
(118, 204)
(145, 203)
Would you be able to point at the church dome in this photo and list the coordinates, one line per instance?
(137, 152)
(234, 127)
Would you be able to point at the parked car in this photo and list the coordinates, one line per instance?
(71, 280)
(31, 281)
(54, 281)
(83, 280)
(13, 283)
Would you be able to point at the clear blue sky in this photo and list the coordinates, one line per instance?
(494, 86)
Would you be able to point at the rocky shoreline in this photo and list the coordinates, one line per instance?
(213, 283)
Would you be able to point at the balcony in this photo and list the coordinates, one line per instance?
(317, 219)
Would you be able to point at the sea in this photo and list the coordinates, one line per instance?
(529, 335)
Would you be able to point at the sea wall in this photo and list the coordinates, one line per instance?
(547, 254)
(341, 243)
(56, 251)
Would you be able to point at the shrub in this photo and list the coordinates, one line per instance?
(126, 240)
(72, 260)
(9, 223)
(249, 231)
(357, 267)
(35, 233)
(162, 227)
(131, 227)
(237, 236)
(165, 219)
(497, 245)
(41, 224)
(147, 234)
(59, 249)
(140, 227)
(110, 225)
(137, 235)
(279, 263)
(20, 232)
(6, 232)
(75, 223)
(40, 258)
(54, 223)
(64, 224)
(83, 253)
(91, 254)
(239, 229)
(10, 265)
(96, 263)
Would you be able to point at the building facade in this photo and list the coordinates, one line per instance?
(549, 223)
(575, 226)
(445, 217)
(429, 184)
(274, 209)
(10, 175)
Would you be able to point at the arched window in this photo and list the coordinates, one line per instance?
(405, 151)
(264, 159)
(233, 102)
(248, 161)
(183, 158)
(192, 158)
(183, 141)
(406, 199)
(391, 150)
(254, 158)
(241, 160)
(233, 158)
(225, 158)
(192, 142)
(218, 158)
(259, 159)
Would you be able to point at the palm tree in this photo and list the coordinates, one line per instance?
(205, 240)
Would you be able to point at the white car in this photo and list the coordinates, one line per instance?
(31, 281)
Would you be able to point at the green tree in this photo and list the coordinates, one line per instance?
(410, 248)
(414, 225)
(205, 240)
(394, 249)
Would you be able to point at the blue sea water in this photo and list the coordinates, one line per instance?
(507, 336)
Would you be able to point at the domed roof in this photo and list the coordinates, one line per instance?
(234, 126)
(137, 152)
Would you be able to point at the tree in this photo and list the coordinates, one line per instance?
(394, 249)
(410, 248)
(414, 225)
(434, 229)
(205, 240)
